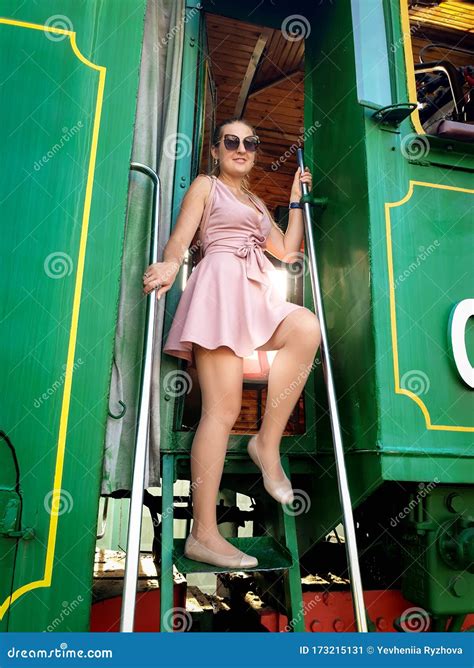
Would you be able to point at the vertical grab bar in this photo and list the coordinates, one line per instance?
(127, 619)
(344, 493)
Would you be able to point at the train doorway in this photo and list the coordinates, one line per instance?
(256, 71)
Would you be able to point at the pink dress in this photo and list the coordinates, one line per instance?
(229, 298)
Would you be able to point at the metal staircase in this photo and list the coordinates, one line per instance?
(274, 552)
(277, 552)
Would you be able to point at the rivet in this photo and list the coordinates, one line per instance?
(338, 625)
(315, 625)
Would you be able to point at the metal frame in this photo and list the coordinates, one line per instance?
(348, 518)
(141, 449)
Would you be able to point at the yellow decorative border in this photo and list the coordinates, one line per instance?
(410, 65)
(58, 473)
(393, 320)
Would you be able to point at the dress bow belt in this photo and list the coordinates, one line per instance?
(252, 250)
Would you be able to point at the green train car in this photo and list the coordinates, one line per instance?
(100, 95)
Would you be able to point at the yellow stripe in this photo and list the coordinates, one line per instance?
(393, 313)
(63, 422)
(410, 65)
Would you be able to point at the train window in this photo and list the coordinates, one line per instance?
(439, 56)
(371, 52)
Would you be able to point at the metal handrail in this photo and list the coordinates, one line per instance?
(141, 448)
(103, 525)
(344, 494)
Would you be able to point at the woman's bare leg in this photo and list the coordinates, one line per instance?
(220, 379)
(297, 340)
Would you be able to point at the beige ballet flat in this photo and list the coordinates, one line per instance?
(195, 550)
(281, 490)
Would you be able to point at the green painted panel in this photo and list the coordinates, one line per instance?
(430, 272)
(419, 194)
(334, 148)
(421, 267)
(68, 69)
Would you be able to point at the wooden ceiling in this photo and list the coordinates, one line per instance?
(273, 95)
(259, 73)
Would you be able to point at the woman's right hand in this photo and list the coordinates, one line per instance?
(159, 275)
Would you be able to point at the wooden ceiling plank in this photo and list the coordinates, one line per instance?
(270, 84)
(251, 69)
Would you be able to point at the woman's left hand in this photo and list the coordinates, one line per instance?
(307, 178)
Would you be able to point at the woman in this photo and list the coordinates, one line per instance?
(228, 309)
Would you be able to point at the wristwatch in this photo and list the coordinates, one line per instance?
(295, 205)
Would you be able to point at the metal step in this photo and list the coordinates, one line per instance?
(271, 555)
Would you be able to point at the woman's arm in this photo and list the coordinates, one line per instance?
(192, 207)
(287, 247)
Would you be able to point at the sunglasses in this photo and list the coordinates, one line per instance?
(232, 142)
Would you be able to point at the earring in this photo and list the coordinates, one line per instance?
(216, 161)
